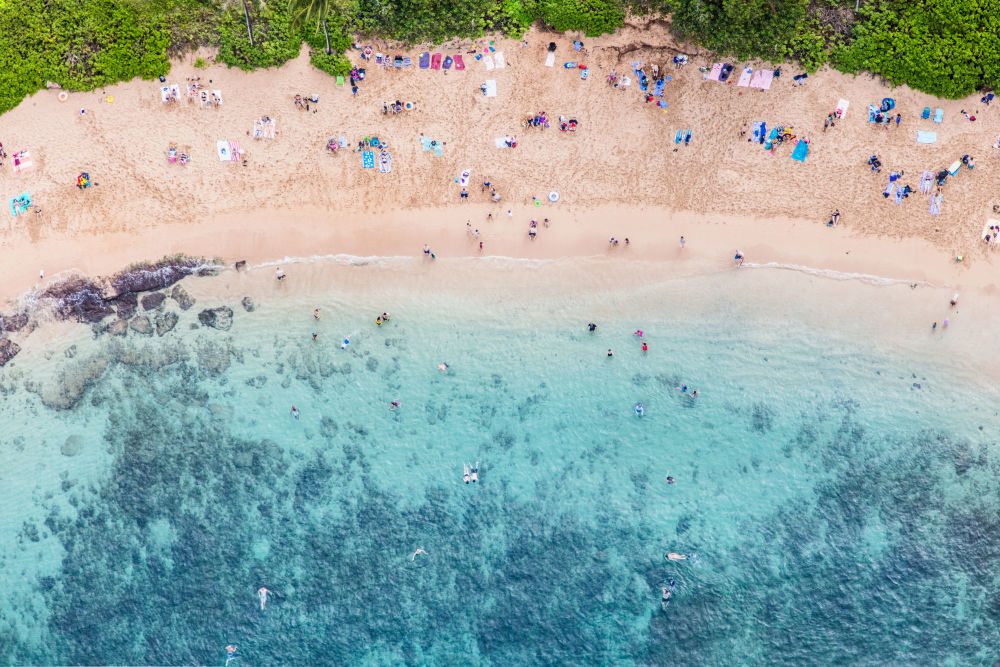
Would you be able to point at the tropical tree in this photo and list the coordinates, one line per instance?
(305, 12)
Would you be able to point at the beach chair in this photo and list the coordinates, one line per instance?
(398, 62)
(679, 136)
(687, 137)
(938, 115)
(926, 113)
(340, 80)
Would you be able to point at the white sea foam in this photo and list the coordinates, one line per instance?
(836, 275)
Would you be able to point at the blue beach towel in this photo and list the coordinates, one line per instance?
(661, 104)
(938, 115)
(926, 137)
(368, 159)
(801, 151)
(678, 136)
(888, 189)
(926, 113)
(659, 88)
(425, 60)
(687, 137)
(770, 138)
(438, 149)
(20, 204)
(926, 181)
(758, 132)
(899, 194)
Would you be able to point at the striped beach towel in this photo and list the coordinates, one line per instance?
(22, 162)
(234, 149)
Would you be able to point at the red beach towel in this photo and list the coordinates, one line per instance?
(436, 61)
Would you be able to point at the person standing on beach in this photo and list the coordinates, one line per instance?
(739, 258)
(427, 249)
(279, 274)
(682, 242)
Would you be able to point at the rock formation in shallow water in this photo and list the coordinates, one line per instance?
(126, 305)
(218, 318)
(72, 446)
(140, 324)
(153, 301)
(165, 322)
(248, 304)
(150, 277)
(119, 327)
(8, 350)
(183, 299)
(14, 322)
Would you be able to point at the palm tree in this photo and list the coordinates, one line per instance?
(307, 11)
(246, 14)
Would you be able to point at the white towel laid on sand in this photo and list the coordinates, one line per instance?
(842, 107)
(499, 60)
(218, 97)
(550, 60)
(488, 61)
(491, 88)
(165, 93)
(501, 142)
(222, 148)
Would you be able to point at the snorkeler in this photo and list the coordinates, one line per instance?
(262, 594)
(639, 409)
(347, 341)
(230, 653)
(443, 366)
(475, 473)
(394, 405)
(295, 412)
(673, 556)
(665, 598)
(418, 551)
(610, 353)
(670, 480)
(683, 388)
(466, 477)
(592, 327)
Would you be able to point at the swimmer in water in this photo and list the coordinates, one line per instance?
(347, 341)
(670, 480)
(665, 598)
(230, 653)
(316, 313)
(673, 556)
(378, 320)
(475, 473)
(315, 335)
(262, 594)
(683, 388)
(637, 332)
(694, 393)
(610, 353)
(385, 317)
(295, 412)
(443, 366)
(394, 405)
(645, 348)
(592, 327)
(466, 477)
(639, 410)
(418, 551)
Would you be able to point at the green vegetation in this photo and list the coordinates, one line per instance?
(946, 47)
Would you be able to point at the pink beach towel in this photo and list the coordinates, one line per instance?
(234, 150)
(765, 79)
(22, 162)
(758, 76)
(745, 77)
(459, 63)
(436, 61)
(716, 71)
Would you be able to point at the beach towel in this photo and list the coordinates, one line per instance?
(756, 79)
(488, 61)
(501, 142)
(725, 72)
(258, 129)
(687, 137)
(872, 110)
(234, 149)
(20, 204)
(636, 67)
(678, 136)
(436, 61)
(425, 60)
(889, 187)
(447, 62)
(340, 81)
(398, 62)
(659, 88)
(716, 70)
(801, 151)
(926, 137)
(378, 58)
(899, 194)
(745, 77)
(499, 60)
(222, 148)
(926, 181)
(407, 61)
(842, 107)
(626, 81)
(939, 115)
(385, 162)
(438, 150)
(491, 88)
(465, 177)
(550, 60)
(758, 132)
(425, 142)
(192, 91)
(766, 77)
(164, 94)
(342, 141)
(368, 159)
(22, 161)
(459, 63)
(955, 166)
(769, 142)
(218, 97)
(269, 129)
(936, 204)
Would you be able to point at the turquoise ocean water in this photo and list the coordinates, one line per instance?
(836, 491)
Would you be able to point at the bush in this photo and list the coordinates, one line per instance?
(275, 41)
(592, 17)
(200, 63)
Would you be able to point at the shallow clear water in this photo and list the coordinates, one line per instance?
(838, 499)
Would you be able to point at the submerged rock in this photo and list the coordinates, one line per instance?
(14, 322)
(80, 299)
(140, 324)
(155, 276)
(165, 322)
(248, 304)
(8, 350)
(153, 301)
(126, 305)
(72, 446)
(119, 327)
(183, 299)
(218, 318)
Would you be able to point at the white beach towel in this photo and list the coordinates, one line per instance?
(745, 77)
(222, 148)
(491, 88)
(550, 60)
(842, 107)
(164, 94)
(626, 81)
(499, 59)
(500, 142)
(488, 61)
(218, 97)
(464, 179)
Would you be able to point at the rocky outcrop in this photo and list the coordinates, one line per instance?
(153, 301)
(119, 327)
(8, 350)
(165, 322)
(183, 299)
(14, 322)
(218, 318)
(126, 305)
(156, 276)
(248, 304)
(72, 446)
(79, 299)
(140, 324)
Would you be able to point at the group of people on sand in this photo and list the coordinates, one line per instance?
(392, 107)
(304, 103)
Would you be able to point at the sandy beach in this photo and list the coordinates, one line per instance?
(620, 174)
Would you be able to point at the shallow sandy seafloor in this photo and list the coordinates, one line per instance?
(834, 474)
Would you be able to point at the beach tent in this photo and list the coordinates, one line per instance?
(801, 151)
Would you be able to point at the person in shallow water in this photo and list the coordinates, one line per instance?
(639, 409)
(474, 472)
(295, 412)
(230, 653)
(262, 594)
(418, 551)
(394, 405)
(673, 556)
(592, 327)
(466, 477)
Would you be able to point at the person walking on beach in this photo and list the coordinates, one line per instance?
(427, 249)
(739, 258)
(278, 273)
(682, 242)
